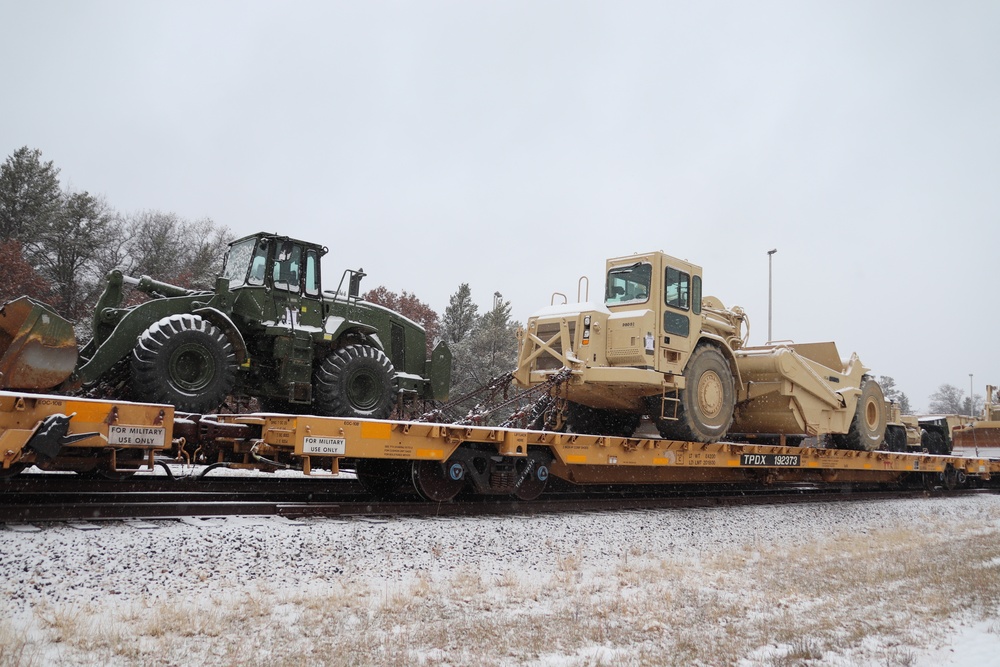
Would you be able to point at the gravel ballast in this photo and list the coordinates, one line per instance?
(165, 562)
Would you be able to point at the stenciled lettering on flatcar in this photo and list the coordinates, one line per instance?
(770, 460)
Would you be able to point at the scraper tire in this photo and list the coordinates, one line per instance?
(705, 407)
(186, 361)
(867, 430)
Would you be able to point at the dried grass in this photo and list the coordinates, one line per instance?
(868, 597)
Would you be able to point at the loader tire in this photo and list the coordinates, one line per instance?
(186, 361)
(933, 443)
(706, 404)
(867, 431)
(895, 439)
(593, 421)
(357, 381)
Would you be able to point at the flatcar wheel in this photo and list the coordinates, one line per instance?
(950, 478)
(438, 481)
(534, 477)
(927, 481)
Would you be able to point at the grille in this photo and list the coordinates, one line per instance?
(546, 361)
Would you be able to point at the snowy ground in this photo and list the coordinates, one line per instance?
(896, 583)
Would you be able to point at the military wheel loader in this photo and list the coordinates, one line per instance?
(658, 347)
(267, 330)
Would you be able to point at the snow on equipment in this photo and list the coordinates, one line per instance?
(266, 330)
(658, 347)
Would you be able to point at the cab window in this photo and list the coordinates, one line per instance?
(312, 273)
(258, 266)
(677, 289)
(237, 262)
(287, 267)
(628, 284)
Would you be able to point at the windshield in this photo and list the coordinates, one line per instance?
(238, 261)
(628, 284)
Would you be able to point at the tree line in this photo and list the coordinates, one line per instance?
(947, 400)
(58, 244)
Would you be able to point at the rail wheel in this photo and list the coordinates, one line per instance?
(356, 381)
(382, 477)
(705, 407)
(438, 481)
(533, 473)
(867, 429)
(952, 478)
(593, 421)
(186, 361)
(929, 481)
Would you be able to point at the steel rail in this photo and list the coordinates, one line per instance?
(344, 500)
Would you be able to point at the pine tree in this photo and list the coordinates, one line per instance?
(488, 351)
(892, 393)
(29, 194)
(461, 315)
(64, 248)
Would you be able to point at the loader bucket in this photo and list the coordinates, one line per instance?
(37, 346)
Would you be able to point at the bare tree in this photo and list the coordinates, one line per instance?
(167, 248)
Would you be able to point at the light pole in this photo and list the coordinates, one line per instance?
(972, 403)
(770, 253)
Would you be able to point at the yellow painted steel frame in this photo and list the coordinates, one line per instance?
(331, 437)
(111, 425)
(588, 459)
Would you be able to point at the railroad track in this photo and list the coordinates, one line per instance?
(46, 498)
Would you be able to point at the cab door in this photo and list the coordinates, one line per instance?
(681, 319)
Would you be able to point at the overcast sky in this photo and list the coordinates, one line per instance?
(516, 145)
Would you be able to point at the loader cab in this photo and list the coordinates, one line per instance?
(658, 298)
(276, 279)
(280, 263)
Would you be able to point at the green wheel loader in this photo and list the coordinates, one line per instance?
(267, 330)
